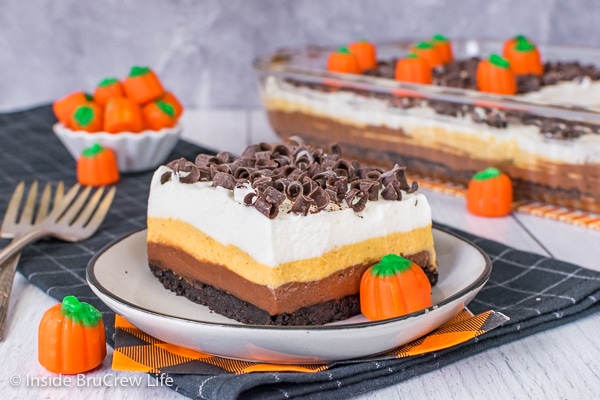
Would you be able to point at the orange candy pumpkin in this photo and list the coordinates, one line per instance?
(122, 115)
(494, 75)
(63, 107)
(343, 61)
(428, 52)
(393, 287)
(413, 69)
(142, 85)
(490, 193)
(512, 42)
(174, 102)
(443, 47)
(107, 89)
(158, 115)
(97, 166)
(86, 117)
(524, 58)
(71, 337)
(365, 53)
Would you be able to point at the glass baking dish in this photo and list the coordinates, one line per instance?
(548, 144)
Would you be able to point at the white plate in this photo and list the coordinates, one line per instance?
(120, 276)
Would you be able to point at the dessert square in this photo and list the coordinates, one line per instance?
(283, 233)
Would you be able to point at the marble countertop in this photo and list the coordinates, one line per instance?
(559, 363)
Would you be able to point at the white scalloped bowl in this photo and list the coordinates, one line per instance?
(135, 152)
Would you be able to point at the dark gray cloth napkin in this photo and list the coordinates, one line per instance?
(535, 292)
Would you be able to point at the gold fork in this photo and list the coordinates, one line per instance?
(69, 220)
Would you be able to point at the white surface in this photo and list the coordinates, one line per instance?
(121, 279)
(561, 363)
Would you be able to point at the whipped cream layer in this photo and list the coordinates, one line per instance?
(520, 144)
(219, 213)
(582, 92)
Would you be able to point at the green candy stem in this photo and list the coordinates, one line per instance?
(524, 45)
(391, 264)
(88, 97)
(412, 55)
(107, 82)
(93, 150)
(498, 61)
(166, 108)
(440, 38)
(424, 46)
(488, 173)
(138, 71)
(343, 50)
(80, 312)
(84, 115)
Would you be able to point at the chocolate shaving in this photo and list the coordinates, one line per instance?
(225, 180)
(356, 199)
(166, 177)
(302, 205)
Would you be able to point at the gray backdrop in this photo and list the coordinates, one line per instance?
(203, 49)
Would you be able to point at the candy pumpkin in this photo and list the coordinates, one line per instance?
(365, 53)
(428, 52)
(512, 42)
(107, 89)
(490, 193)
(142, 85)
(443, 47)
(71, 337)
(63, 107)
(97, 166)
(343, 61)
(413, 69)
(494, 75)
(158, 115)
(524, 58)
(170, 99)
(122, 115)
(86, 117)
(393, 287)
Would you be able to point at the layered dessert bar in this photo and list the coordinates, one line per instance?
(283, 233)
(546, 136)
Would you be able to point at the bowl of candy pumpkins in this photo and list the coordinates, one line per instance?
(136, 117)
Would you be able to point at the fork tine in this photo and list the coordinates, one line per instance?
(60, 192)
(84, 216)
(65, 201)
(10, 216)
(44, 204)
(78, 203)
(27, 213)
(100, 213)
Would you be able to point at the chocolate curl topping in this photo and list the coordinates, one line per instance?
(302, 204)
(225, 180)
(320, 197)
(166, 177)
(356, 199)
(265, 207)
(392, 191)
(305, 176)
(293, 190)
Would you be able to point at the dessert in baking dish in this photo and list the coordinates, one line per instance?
(450, 129)
(283, 233)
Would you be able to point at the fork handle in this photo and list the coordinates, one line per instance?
(7, 275)
(19, 242)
